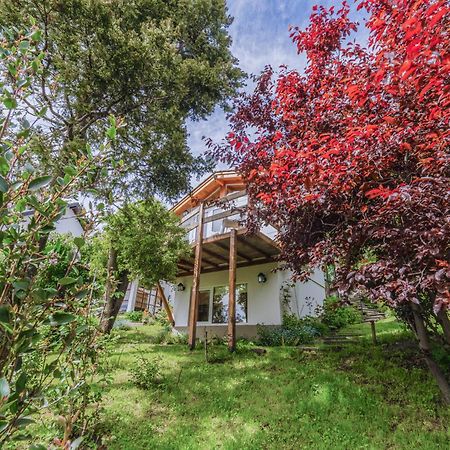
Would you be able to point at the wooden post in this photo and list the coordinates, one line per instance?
(374, 333)
(232, 293)
(166, 304)
(196, 279)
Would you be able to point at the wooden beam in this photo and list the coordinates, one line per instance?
(254, 247)
(207, 260)
(165, 304)
(232, 294)
(196, 280)
(215, 255)
(184, 263)
(225, 247)
(254, 262)
(222, 236)
(267, 240)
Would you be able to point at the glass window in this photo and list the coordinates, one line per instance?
(220, 304)
(203, 306)
(241, 303)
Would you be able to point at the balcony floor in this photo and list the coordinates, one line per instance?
(252, 249)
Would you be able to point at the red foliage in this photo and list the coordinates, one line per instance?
(352, 156)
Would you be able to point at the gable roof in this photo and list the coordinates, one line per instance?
(208, 188)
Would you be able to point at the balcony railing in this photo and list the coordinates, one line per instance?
(233, 207)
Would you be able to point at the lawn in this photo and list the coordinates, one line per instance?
(358, 396)
(354, 396)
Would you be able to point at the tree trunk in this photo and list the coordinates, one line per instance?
(115, 290)
(425, 346)
(443, 319)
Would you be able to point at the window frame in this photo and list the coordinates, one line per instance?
(210, 289)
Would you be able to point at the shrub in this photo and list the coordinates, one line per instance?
(134, 316)
(121, 325)
(180, 338)
(161, 318)
(146, 373)
(294, 331)
(337, 316)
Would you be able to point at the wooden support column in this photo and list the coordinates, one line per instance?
(374, 332)
(232, 293)
(193, 310)
(166, 305)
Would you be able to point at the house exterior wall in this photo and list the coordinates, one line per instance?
(69, 224)
(302, 298)
(264, 303)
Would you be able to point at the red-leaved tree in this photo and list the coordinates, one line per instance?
(351, 158)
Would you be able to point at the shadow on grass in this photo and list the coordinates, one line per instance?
(351, 398)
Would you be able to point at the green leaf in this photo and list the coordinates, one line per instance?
(5, 314)
(70, 170)
(36, 36)
(39, 182)
(23, 422)
(21, 205)
(81, 294)
(3, 185)
(12, 69)
(24, 45)
(37, 447)
(61, 318)
(4, 165)
(21, 284)
(21, 382)
(67, 280)
(4, 388)
(111, 132)
(79, 242)
(10, 103)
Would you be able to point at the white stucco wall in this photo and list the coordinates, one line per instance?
(304, 298)
(69, 224)
(264, 302)
(263, 299)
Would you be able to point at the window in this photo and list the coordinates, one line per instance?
(203, 306)
(220, 304)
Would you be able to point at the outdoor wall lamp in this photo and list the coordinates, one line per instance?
(181, 287)
(261, 278)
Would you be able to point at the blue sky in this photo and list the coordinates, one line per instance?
(260, 34)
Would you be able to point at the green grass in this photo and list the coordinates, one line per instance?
(358, 397)
(355, 397)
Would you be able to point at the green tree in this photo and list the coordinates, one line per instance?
(153, 63)
(144, 241)
(50, 347)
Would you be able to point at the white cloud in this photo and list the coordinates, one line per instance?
(260, 34)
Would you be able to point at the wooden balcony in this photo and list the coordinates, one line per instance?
(219, 219)
(220, 241)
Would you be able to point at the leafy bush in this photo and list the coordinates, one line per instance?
(121, 325)
(180, 338)
(161, 318)
(146, 373)
(294, 331)
(134, 316)
(337, 316)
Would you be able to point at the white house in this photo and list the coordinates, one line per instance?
(224, 254)
(69, 223)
